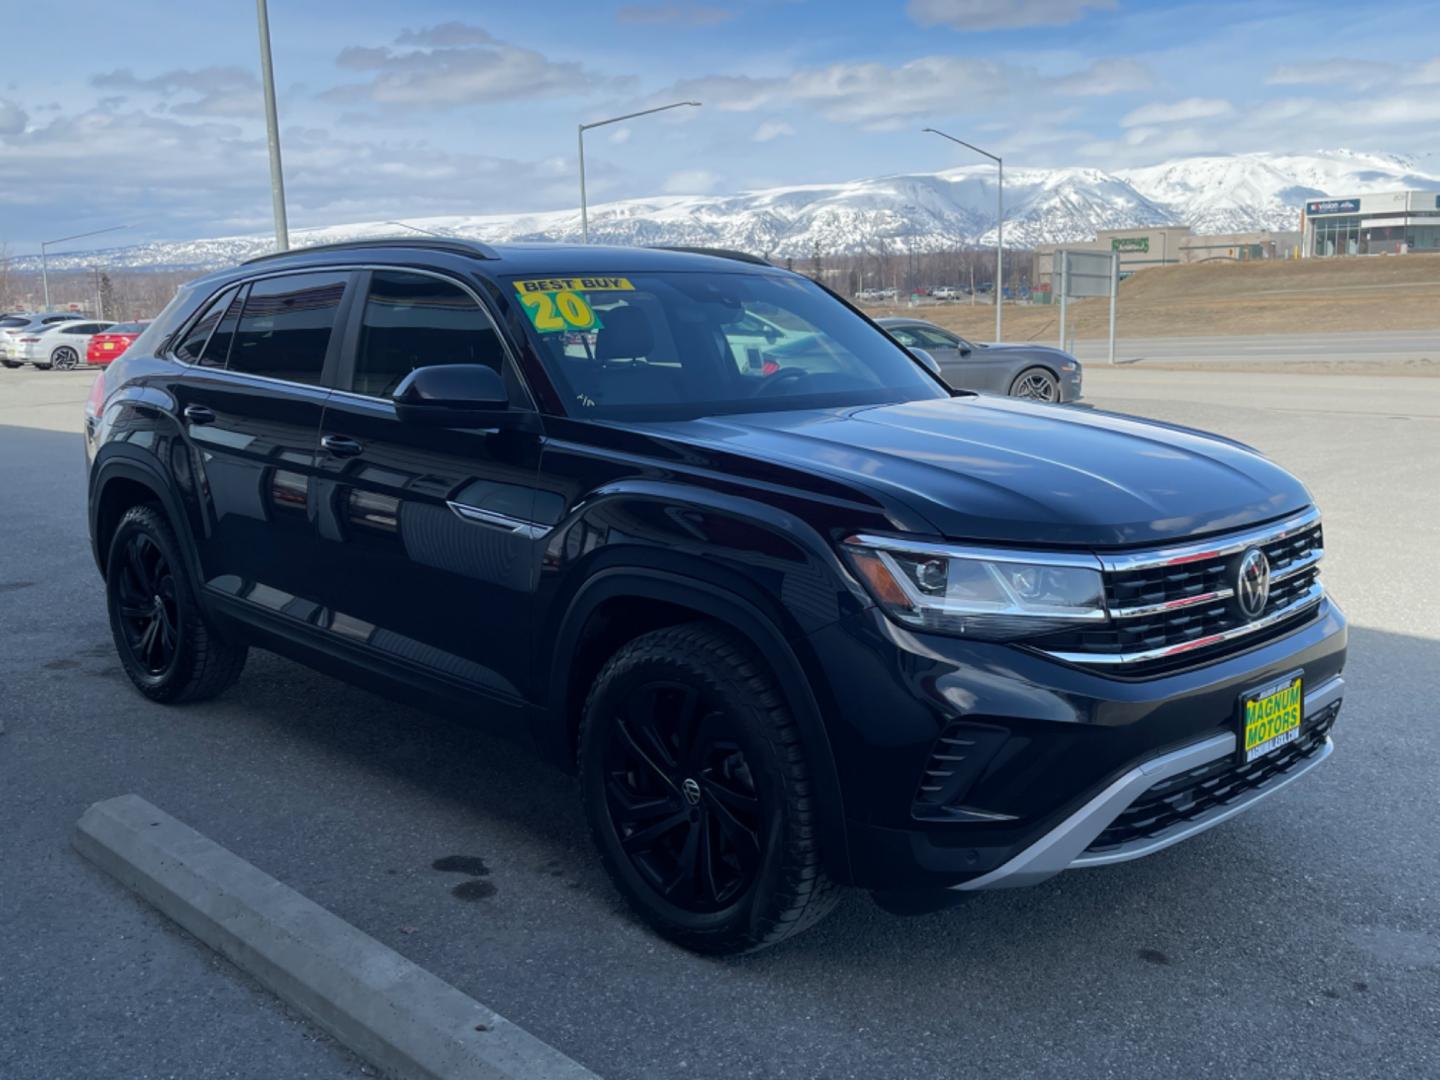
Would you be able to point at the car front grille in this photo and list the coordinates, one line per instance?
(1208, 787)
(1171, 606)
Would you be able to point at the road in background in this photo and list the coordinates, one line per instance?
(1301, 940)
(1397, 349)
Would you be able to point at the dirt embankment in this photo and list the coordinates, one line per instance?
(1201, 299)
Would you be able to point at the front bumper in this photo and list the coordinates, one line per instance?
(1072, 843)
(1057, 754)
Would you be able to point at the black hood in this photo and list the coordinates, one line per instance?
(1001, 470)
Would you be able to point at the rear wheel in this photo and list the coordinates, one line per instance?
(166, 645)
(698, 793)
(1036, 384)
(65, 358)
(11, 363)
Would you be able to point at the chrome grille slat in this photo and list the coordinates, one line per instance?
(1168, 604)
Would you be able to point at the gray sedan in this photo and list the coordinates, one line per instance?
(1037, 372)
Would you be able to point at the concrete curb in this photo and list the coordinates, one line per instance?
(399, 1017)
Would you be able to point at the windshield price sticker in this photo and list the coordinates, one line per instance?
(555, 305)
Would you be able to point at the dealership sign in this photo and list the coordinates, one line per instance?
(1333, 206)
(1130, 243)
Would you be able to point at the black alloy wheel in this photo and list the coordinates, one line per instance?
(698, 791)
(149, 612)
(682, 797)
(168, 647)
(65, 358)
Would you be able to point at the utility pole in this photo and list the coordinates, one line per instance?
(272, 129)
(45, 255)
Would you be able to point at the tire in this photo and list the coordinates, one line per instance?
(41, 367)
(168, 648)
(1036, 384)
(64, 359)
(686, 725)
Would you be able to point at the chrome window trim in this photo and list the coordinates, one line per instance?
(528, 529)
(1312, 596)
(169, 353)
(1229, 544)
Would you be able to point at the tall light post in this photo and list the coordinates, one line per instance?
(272, 129)
(580, 135)
(999, 221)
(45, 255)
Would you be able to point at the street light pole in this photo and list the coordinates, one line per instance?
(580, 135)
(999, 221)
(272, 129)
(45, 255)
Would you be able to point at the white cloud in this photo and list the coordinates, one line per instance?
(690, 182)
(12, 118)
(772, 129)
(620, 136)
(1189, 109)
(873, 95)
(1000, 14)
(219, 91)
(1332, 72)
(1426, 74)
(1104, 77)
(456, 64)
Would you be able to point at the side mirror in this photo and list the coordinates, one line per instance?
(926, 359)
(452, 395)
(965, 350)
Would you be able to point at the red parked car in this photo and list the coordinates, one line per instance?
(106, 346)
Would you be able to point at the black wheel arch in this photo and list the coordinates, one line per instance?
(686, 598)
(122, 480)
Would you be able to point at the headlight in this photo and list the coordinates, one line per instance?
(991, 594)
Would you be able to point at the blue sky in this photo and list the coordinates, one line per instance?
(151, 116)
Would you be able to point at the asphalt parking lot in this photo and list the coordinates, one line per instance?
(1301, 940)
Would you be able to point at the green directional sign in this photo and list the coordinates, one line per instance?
(1130, 244)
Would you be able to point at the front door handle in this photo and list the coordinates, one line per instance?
(199, 414)
(341, 445)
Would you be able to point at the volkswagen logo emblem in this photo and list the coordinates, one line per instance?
(692, 791)
(1252, 583)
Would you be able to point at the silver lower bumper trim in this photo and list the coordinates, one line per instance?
(1065, 845)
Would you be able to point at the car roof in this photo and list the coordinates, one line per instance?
(504, 259)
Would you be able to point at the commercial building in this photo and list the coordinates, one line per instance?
(1390, 223)
(1165, 245)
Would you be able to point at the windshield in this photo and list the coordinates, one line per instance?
(674, 345)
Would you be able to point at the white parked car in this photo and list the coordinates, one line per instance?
(59, 345)
(946, 292)
(14, 327)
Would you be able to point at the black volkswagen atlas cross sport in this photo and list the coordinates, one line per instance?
(798, 614)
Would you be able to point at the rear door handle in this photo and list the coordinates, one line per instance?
(199, 414)
(341, 445)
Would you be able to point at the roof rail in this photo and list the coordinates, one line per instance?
(719, 253)
(464, 247)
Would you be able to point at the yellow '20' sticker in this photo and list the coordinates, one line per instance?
(558, 304)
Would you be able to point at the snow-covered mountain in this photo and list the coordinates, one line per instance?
(887, 214)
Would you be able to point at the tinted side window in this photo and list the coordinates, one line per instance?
(903, 336)
(285, 328)
(217, 350)
(410, 321)
(936, 339)
(193, 343)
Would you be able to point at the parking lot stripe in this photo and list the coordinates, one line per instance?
(396, 1015)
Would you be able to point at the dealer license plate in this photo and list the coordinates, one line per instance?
(1270, 717)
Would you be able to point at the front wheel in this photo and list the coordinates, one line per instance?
(65, 359)
(166, 644)
(698, 793)
(1036, 384)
